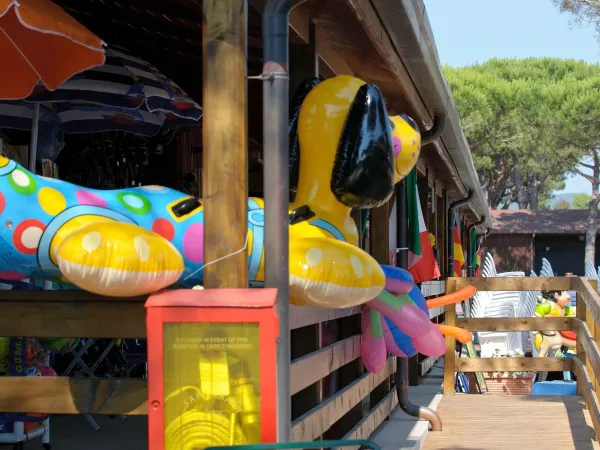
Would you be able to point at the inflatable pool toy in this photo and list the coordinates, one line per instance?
(383, 332)
(554, 304)
(137, 241)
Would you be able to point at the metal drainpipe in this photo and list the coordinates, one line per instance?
(450, 231)
(470, 271)
(439, 122)
(409, 408)
(276, 190)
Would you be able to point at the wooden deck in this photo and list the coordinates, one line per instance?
(489, 422)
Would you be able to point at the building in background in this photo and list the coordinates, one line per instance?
(521, 238)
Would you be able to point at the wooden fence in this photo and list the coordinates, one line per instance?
(586, 365)
(359, 404)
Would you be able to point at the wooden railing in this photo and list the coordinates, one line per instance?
(586, 366)
(361, 403)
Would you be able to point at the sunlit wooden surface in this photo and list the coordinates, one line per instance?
(490, 422)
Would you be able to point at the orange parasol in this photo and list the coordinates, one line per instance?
(41, 42)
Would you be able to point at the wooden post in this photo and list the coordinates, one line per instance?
(225, 151)
(449, 357)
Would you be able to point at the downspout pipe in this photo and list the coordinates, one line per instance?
(409, 408)
(439, 123)
(275, 76)
(450, 231)
(470, 268)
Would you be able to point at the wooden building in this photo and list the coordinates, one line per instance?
(521, 238)
(387, 43)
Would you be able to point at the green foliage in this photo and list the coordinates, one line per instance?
(562, 204)
(581, 201)
(528, 123)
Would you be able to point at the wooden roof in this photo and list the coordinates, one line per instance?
(521, 221)
(386, 43)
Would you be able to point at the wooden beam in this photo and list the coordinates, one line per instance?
(64, 395)
(589, 295)
(368, 424)
(517, 324)
(517, 284)
(581, 312)
(591, 399)
(225, 143)
(71, 314)
(512, 364)
(315, 366)
(380, 38)
(590, 350)
(427, 364)
(317, 421)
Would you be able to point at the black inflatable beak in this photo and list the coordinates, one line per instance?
(363, 173)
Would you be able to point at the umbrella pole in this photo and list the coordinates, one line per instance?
(35, 126)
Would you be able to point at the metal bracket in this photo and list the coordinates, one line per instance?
(270, 76)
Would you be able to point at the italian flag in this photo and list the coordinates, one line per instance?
(421, 262)
(459, 256)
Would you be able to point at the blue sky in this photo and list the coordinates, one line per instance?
(470, 31)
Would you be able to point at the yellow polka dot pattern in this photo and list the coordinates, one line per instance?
(348, 275)
(118, 259)
(51, 201)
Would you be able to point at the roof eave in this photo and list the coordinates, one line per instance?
(407, 23)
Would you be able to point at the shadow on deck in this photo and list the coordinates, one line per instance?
(486, 422)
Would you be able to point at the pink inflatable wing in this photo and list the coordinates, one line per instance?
(403, 312)
(430, 344)
(373, 344)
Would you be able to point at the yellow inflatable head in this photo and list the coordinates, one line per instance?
(346, 157)
(407, 145)
(344, 149)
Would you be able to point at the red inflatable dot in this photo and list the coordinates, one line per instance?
(2, 202)
(164, 228)
(27, 235)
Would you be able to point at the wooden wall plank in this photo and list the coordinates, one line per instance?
(512, 364)
(317, 365)
(46, 318)
(303, 316)
(365, 428)
(317, 421)
(590, 396)
(590, 350)
(517, 284)
(589, 295)
(517, 324)
(433, 288)
(225, 143)
(581, 311)
(64, 395)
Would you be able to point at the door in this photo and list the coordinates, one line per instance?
(565, 253)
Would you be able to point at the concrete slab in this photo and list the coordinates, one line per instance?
(403, 432)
